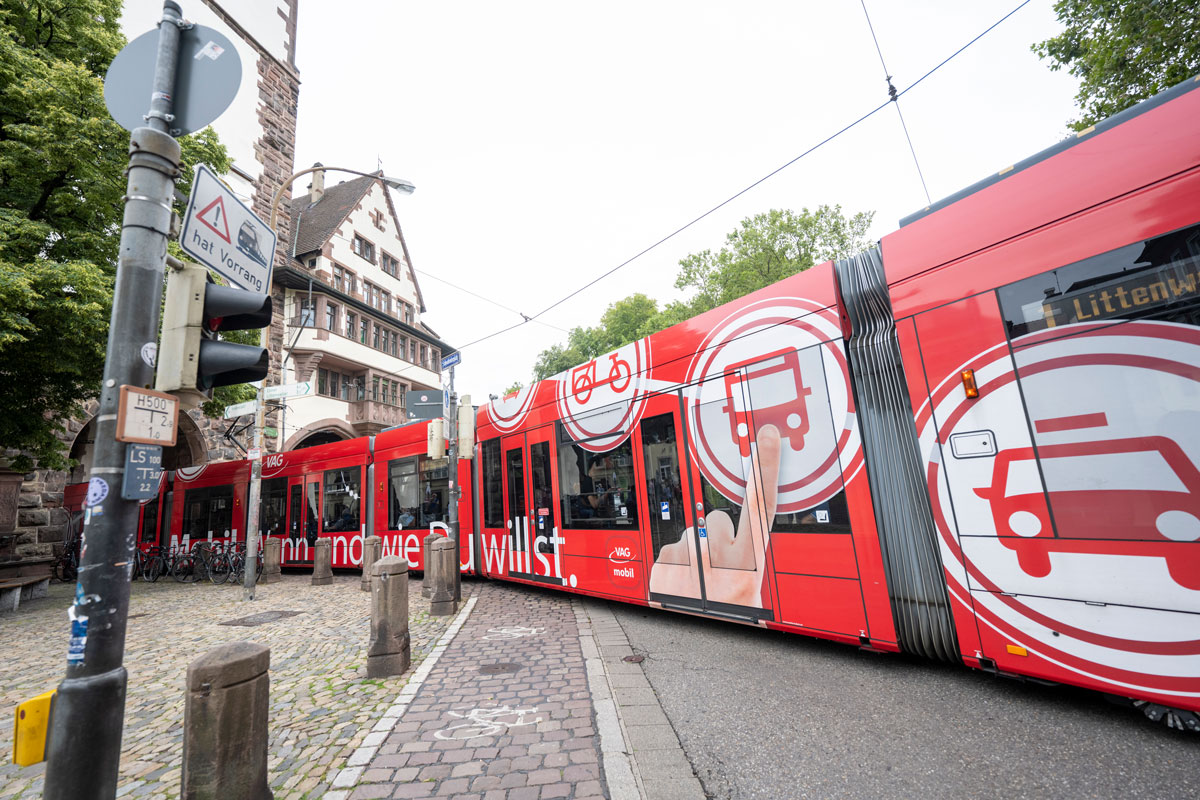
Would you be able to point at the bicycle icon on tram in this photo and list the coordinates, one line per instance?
(583, 378)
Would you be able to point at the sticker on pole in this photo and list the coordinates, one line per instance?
(223, 234)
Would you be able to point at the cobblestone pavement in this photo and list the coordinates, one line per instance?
(322, 703)
(505, 713)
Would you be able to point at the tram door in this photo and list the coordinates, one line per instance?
(304, 519)
(530, 512)
(707, 553)
(675, 575)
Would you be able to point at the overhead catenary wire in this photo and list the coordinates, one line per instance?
(766, 177)
(895, 98)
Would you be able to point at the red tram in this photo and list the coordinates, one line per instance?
(976, 442)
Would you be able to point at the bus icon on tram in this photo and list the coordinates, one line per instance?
(1136, 496)
(776, 380)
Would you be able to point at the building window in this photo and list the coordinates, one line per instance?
(412, 350)
(436, 358)
(322, 381)
(339, 278)
(363, 330)
(395, 393)
(363, 248)
(308, 313)
(395, 336)
(331, 315)
(424, 362)
(385, 303)
(390, 265)
(408, 313)
(351, 323)
(375, 339)
(351, 283)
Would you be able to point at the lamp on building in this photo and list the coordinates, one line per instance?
(399, 184)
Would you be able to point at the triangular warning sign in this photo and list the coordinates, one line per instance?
(214, 217)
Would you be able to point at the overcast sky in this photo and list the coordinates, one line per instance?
(551, 141)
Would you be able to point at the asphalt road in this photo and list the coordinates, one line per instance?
(770, 715)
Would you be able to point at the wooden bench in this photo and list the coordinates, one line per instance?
(14, 590)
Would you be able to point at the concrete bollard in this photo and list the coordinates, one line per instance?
(372, 549)
(388, 652)
(443, 563)
(426, 583)
(323, 563)
(225, 724)
(271, 572)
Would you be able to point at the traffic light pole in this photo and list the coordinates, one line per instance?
(455, 489)
(85, 746)
(250, 579)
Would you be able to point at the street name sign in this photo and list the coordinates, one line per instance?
(239, 409)
(450, 360)
(302, 389)
(224, 235)
(146, 416)
(143, 471)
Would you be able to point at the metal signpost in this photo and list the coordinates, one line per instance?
(224, 235)
(455, 491)
(303, 389)
(84, 748)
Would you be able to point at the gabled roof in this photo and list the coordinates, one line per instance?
(314, 225)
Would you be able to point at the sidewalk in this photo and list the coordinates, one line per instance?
(525, 697)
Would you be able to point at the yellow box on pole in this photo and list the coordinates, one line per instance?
(31, 729)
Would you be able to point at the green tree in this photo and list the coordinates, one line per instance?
(767, 248)
(62, 160)
(1123, 51)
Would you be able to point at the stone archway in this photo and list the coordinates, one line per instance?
(320, 432)
(189, 450)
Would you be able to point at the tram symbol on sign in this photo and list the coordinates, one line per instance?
(248, 243)
(583, 378)
(1162, 509)
(776, 379)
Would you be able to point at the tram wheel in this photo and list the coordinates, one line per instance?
(1175, 718)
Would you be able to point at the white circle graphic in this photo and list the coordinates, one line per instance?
(602, 400)
(776, 361)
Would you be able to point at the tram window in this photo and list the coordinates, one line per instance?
(311, 516)
(150, 521)
(493, 485)
(598, 489)
(404, 485)
(1156, 279)
(541, 472)
(271, 508)
(831, 516)
(660, 455)
(208, 510)
(341, 499)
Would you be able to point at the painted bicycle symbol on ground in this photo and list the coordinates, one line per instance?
(478, 722)
(583, 379)
(511, 632)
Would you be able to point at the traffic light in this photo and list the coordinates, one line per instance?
(191, 358)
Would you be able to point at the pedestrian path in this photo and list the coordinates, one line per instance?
(526, 697)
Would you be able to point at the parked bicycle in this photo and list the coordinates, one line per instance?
(195, 565)
(66, 566)
(234, 560)
(156, 562)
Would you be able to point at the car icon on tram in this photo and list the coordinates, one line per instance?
(1137, 496)
(778, 393)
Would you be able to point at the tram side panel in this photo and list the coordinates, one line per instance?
(652, 450)
(411, 493)
(1066, 492)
